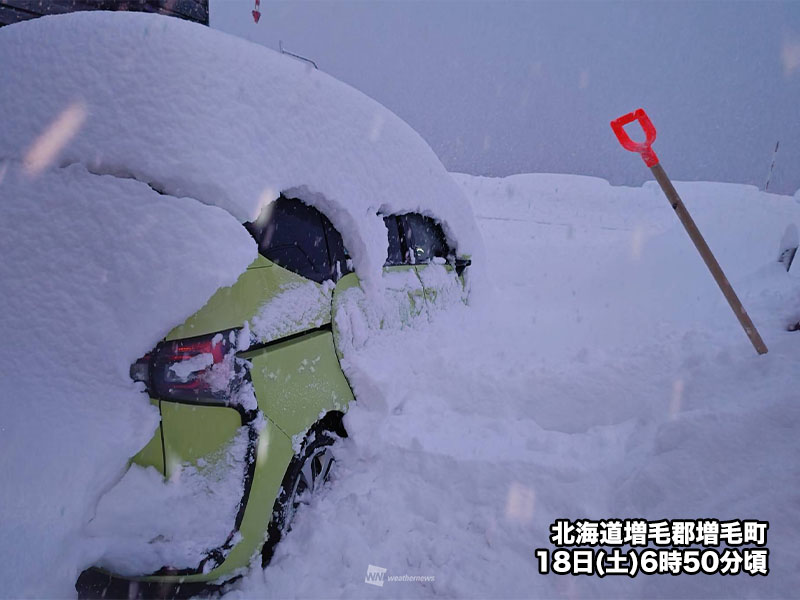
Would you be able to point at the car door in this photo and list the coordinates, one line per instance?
(403, 299)
(282, 295)
(400, 274)
(426, 247)
(276, 320)
(295, 370)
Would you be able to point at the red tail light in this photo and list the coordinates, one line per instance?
(200, 369)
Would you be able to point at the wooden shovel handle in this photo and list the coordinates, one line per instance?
(651, 160)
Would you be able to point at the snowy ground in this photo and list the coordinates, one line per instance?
(603, 377)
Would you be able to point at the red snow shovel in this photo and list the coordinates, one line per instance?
(651, 160)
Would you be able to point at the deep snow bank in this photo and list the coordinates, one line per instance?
(589, 239)
(605, 378)
(92, 277)
(200, 113)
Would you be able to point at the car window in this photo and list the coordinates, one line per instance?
(395, 253)
(299, 238)
(422, 238)
(339, 257)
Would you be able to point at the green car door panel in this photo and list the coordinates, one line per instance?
(152, 455)
(354, 314)
(441, 284)
(298, 380)
(193, 431)
(273, 453)
(406, 291)
(261, 284)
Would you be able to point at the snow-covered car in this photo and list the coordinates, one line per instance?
(237, 221)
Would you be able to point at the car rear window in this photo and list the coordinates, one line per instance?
(301, 239)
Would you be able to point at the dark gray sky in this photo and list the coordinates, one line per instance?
(502, 87)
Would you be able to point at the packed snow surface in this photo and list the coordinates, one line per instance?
(199, 113)
(605, 377)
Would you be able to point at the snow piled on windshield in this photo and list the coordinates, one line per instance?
(199, 113)
(605, 378)
(93, 275)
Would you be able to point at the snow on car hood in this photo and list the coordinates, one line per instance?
(92, 276)
(199, 113)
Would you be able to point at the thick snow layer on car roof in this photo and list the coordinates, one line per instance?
(199, 113)
(80, 303)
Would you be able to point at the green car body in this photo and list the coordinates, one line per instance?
(291, 401)
(297, 381)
